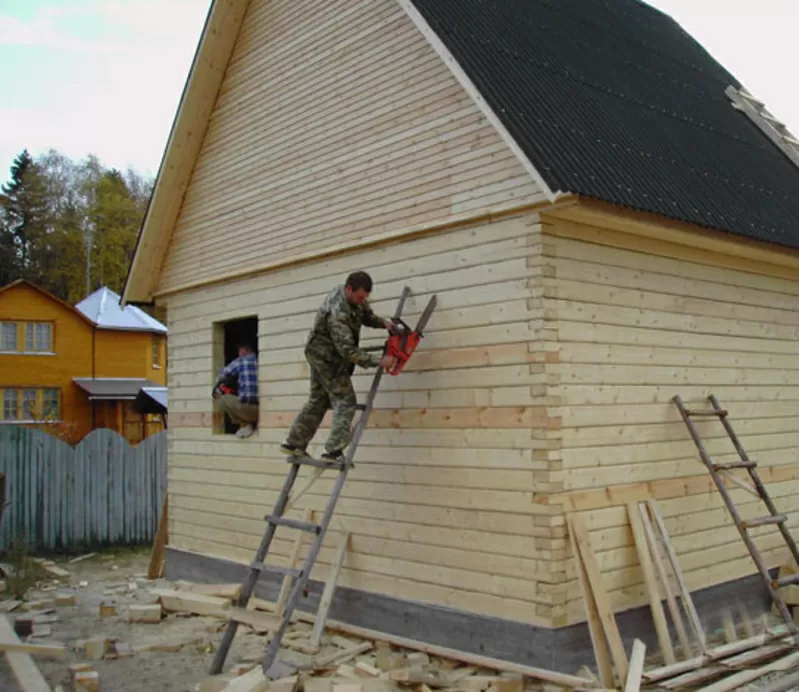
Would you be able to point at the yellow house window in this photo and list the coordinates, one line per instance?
(10, 404)
(30, 405)
(156, 351)
(8, 337)
(38, 337)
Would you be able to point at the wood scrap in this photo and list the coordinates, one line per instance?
(687, 601)
(22, 665)
(173, 600)
(604, 609)
(145, 613)
(229, 591)
(654, 550)
(155, 568)
(417, 676)
(86, 681)
(472, 659)
(595, 630)
(716, 655)
(9, 606)
(734, 681)
(652, 587)
(9, 642)
(633, 683)
(341, 656)
(330, 587)
(75, 560)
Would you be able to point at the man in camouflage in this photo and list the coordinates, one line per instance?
(332, 352)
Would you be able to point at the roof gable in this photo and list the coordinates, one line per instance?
(103, 308)
(24, 283)
(612, 100)
(605, 99)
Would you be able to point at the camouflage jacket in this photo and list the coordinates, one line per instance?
(334, 338)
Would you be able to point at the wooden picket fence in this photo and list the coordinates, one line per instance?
(99, 493)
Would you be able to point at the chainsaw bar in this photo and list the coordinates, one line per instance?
(425, 316)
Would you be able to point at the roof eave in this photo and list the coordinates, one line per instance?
(200, 91)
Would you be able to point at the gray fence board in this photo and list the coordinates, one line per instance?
(102, 492)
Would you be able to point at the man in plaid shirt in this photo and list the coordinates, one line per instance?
(242, 407)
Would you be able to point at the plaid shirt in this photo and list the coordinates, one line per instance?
(246, 369)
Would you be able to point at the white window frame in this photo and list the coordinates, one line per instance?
(6, 398)
(5, 327)
(34, 341)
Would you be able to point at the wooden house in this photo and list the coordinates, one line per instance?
(609, 220)
(71, 369)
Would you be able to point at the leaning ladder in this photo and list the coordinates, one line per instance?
(276, 624)
(719, 471)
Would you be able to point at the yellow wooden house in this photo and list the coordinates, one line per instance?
(71, 369)
(608, 218)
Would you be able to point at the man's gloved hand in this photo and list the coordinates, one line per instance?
(394, 327)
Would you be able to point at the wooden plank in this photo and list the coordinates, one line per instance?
(687, 600)
(299, 539)
(598, 641)
(716, 654)
(661, 626)
(155, 567)
(654, 550)
(182, 601)
(633, 683)
(734, 681)
(330, 587)
(604, 609)
(462, 656)
(22, 665)
(10, 643)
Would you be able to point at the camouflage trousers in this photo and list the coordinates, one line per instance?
(328, 389)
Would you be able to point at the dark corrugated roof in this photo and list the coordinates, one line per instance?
(612, 100)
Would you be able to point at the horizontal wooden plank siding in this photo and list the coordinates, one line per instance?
(336, 122)
(445, 503)
(631, 329)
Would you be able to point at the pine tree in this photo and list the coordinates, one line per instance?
(22, 210)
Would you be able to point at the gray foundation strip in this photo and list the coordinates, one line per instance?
(563, 650)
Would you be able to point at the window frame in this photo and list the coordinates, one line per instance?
(27, 335)
(155, 352)
(3, 326)
(22, 416)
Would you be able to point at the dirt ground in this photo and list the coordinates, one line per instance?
(174, 655)
(119, 578)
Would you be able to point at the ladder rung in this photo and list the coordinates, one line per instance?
(308, 461)
(735, 465)
(290, 571)
(764, 521)
(787, 581)
(257, 620)
(294, 524)
(706, 412)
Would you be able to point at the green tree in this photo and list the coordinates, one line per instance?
(70, 227)
(115, 216)
(22, 209)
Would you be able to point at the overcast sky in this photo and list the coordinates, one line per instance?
(105, 76)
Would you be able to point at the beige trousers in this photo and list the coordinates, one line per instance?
(240, 413)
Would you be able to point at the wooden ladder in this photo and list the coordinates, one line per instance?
(276, 624)
(721, 471)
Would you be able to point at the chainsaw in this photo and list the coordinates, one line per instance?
(402, 343)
